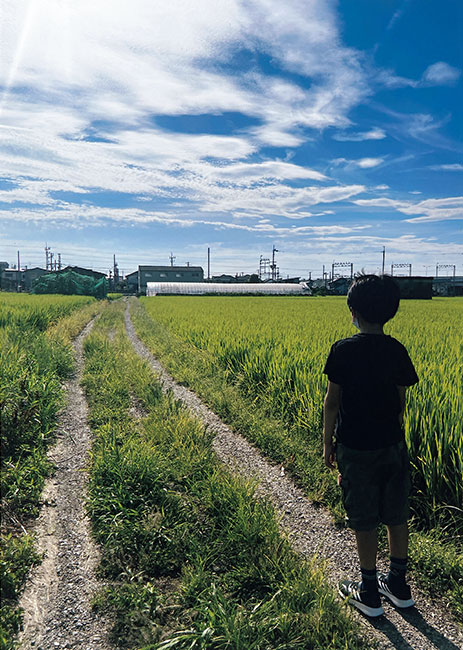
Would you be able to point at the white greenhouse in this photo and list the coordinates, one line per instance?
(202, 288)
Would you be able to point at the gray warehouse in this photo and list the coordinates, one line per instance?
(138, 280)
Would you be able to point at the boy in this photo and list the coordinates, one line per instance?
(368, 374)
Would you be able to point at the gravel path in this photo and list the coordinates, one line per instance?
(311, 531)
(56, 600)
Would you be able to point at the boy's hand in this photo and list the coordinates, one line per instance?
(329, 454)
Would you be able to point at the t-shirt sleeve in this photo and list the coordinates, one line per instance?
(333, 367)
(405, 372)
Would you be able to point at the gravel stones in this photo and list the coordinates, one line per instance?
(56, 599)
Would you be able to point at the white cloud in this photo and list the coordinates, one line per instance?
(451, 167)
(76, 217)
(440, 74)
(450, 208)
(367, 163)
(271, 169)
(363, 163)
(373, 134)
(437, 74)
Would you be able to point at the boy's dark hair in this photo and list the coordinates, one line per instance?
(375, 297)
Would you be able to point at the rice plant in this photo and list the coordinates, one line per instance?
(275, 350)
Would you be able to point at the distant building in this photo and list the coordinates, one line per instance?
(414, 286)
(3, 266)
(224, 278)
(226, 288)
(448, 285)
(339, 286)
(138, 280)
(78, 269)
(9, 278)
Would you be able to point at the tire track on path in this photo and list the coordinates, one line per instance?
(428, 626)
(56, 599)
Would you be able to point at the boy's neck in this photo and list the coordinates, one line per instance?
(371, 328)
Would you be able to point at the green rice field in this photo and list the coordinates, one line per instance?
(275, 349)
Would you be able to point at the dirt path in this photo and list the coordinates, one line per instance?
(310, 528)
(56, 600)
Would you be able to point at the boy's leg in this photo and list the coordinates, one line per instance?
(398, 540)
(393, 584)
(367, 547)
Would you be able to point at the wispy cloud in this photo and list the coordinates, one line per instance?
(446, 209)
(437, 74)
(362, 163)
(372, 134)
(451, 167)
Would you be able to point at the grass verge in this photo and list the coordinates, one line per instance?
(436, 559)
(34, 362)
(191, 558)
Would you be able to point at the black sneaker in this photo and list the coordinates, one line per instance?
(400, 596)
(369, 604)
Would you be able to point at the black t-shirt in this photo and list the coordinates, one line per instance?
(369, 367)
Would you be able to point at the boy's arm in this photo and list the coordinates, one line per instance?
(401, 390)
(330, 412)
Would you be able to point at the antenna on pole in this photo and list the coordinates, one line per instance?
(47, 250)
(59, 261)
(172, 258)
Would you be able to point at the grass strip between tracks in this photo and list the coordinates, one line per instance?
(190, 557)
(435, 559)
(35, 358)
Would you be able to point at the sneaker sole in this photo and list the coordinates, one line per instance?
(401, 604)
(373, 612)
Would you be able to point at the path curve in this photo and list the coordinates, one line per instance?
(428, 626)
(57, 595)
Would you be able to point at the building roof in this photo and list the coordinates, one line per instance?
(170, 268)
(82, 271)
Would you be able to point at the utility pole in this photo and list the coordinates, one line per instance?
(273, 266)
(51, 261)
(59, 261)
(115, 269)
(172, 258)
(384, 259)
(208, 263)
(18, 275)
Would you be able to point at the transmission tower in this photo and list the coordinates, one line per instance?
(273, 265)
(342, 265)
(446, 266)
(401, 266)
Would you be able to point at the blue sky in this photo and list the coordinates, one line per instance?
(327, 129)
